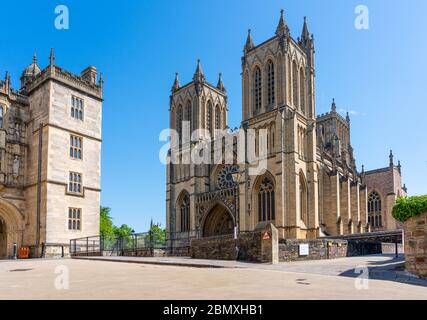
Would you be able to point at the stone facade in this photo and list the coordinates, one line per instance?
(309, 186)
(50, 128)
(384, 186)
(416, 245)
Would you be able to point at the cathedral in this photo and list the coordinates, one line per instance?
(310, 186)
(50, 149)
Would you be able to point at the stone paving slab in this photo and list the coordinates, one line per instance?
(381, 267)
(88, 279)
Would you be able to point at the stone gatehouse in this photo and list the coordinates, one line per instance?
(50, 149)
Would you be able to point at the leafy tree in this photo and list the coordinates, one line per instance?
(106, 222)
(158, 235)
(123, 231)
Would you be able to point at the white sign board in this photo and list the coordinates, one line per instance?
(304, 250)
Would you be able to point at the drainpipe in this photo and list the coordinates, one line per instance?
(39, 189)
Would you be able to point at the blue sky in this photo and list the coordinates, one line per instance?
(377, 74)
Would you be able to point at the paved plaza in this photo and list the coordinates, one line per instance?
(88, 279)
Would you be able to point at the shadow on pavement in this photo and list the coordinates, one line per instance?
(388, 270)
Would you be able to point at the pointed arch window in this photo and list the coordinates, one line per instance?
(270, 83)
(188, 113)
(217, 117)
(209, 118)
(179, 118)
(302, 90)
(185, 214)
(1, 116)
(266, 201)
(374, 210)
(303, 198)
(257, 89)
(295, 93)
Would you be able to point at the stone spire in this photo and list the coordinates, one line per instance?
(347, 117)
(399, 167)
(176, 83)
(249, 42)
(305, 35)
(198, 75)
(220, 84)
(391, 156)
(101, 80)
(334, 106)
(52, 57)
(282, 28)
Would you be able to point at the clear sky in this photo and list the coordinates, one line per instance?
(379, 75)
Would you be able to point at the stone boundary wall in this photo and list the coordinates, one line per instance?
(390, 248)
(416, 245)
(258, 246)
(319, 249)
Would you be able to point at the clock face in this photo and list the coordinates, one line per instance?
(225, 178)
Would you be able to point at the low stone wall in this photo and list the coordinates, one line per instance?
(416, 245)
(214, 248)
(319, 249)
(258, 246)
(289, 250)
(145, 253)
(390, 248)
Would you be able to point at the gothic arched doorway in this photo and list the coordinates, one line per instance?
(11, 228)
(218, 222)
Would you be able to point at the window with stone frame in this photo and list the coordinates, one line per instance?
(75, 219)
(374, 210)
(209, 126)
(185, 214)
(217, 117)
(77, 108)
(1, 116)
(257, 89)
(270, 83)
(76, 147)
(266, 201)
(75, 183)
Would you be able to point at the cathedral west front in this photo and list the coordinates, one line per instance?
(310, 187)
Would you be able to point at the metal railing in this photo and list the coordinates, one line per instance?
(135, 244)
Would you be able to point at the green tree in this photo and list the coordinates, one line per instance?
(106, 222)
(158, 235)
(123, 231)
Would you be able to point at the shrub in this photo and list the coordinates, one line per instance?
(407, 207)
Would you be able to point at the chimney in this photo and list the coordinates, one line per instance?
(90, 75)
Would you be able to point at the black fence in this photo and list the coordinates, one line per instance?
(137, 244)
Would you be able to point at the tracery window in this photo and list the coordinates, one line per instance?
(270, 86)
(209, 118)
(302, 91)
(266, 201)
(257, 89)
(217, 117)
(295, 93)
(1, 116)
(303, 198)
(179, 118)
(374, 210)
(185, 214)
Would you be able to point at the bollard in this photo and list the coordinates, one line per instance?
(15, 250)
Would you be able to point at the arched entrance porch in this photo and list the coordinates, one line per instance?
(218, 222)
(11, 228)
